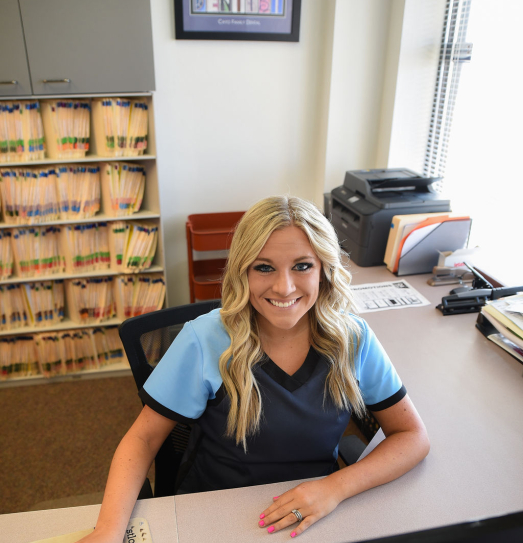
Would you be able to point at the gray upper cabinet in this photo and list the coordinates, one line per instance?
(88, 46)
(14, 73)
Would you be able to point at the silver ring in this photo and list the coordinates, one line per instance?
(297, 514)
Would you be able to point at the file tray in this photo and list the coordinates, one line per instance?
(424, 251)
(208, 232)
(212, 231)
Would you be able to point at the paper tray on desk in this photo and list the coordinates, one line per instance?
(448, 235)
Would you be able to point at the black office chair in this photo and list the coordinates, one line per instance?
(145, 339)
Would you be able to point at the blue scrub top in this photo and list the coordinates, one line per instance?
(300, 427)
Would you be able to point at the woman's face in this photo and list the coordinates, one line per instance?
(284, 280)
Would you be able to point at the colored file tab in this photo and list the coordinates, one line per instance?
(29, 196)
(37, 251)
(14, 309)
(123, 186)
(139, 294)
(6, 255)
(86, 247)
(18, 357)
(120, 126)
(46, 302)
(132, 245)
(78, 188)
(21, 131)
(90, 301)
(67, 126)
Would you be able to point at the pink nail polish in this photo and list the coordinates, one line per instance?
(270, 529)
(293, 534)
(275, 497)
(262, 516)
(261, 523)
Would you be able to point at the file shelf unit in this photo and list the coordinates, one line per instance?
(150, 210)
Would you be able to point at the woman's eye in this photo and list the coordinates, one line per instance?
(303, 266)
(263, 268)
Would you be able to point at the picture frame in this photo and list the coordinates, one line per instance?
(253, 20)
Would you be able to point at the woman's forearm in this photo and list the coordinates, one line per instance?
(392, 458)
(129, 467)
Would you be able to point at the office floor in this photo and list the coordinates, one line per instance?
(55, 451)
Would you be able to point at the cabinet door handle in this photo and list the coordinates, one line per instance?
(56, 80)
(12, 82)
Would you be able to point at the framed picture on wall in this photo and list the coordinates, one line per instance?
(260, 20)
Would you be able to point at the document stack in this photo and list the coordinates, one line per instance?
(86, 247)
(37, 251)
(39, 195)
(120, 126)
(59, 353)
(67, 127)
(505, 317)
(18, 357)
(108, 346)
(6, 255)
(14, 309)
(78, 190)
(123, 187)
(46, 302)
(139, 294)
(21, 131)
(28, 195)
(91, 301)
(133, 245)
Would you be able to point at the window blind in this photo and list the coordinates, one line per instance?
(454, 52)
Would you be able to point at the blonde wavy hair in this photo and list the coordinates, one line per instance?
(333, 333)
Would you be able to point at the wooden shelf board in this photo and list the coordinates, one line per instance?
(112, 370)
(100, 217)
(66, 324)
(96, 273)
(73, 160)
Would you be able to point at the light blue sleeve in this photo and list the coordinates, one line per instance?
(379, 382)
(188, 375)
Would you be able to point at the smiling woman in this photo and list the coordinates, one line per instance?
(270, 381)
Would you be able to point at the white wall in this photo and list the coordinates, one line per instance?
(238, 121)
(358, 67)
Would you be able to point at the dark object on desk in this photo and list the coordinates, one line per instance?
(502, 529)
(490, 332)
(145, 339)
(473, 300)
(363, 207)
(460, 290)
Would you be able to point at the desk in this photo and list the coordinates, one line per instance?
(469, 393)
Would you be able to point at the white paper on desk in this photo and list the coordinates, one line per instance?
(387, 295)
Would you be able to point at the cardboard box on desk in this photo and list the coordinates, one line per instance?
(419, 250)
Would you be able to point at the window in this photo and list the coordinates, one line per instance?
(480, 158)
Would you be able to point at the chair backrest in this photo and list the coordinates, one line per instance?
(145, 339)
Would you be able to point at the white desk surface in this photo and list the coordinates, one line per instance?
(469, 393)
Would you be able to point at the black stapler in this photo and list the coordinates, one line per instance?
(471, 301)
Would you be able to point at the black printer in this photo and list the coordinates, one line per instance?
(362, 208)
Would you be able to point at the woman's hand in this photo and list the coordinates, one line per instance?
(313, 499)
